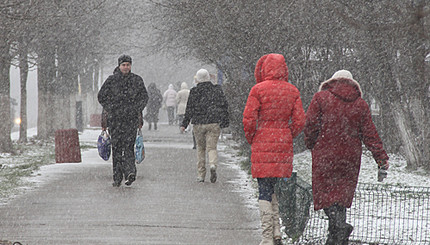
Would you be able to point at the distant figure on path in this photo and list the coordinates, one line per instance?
(182, 99)
(338, 121)
(123, 96)
(169, 98)
(207, 110)
(153, 106)
(272, 118)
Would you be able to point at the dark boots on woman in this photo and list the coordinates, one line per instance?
(338, 230)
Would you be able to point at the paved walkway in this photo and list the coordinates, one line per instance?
(76, 203)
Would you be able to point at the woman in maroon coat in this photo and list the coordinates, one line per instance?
(273, 116)
(338, 121)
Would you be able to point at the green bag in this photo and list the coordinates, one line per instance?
(295, 198)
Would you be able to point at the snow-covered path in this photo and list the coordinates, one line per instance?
(75, 203)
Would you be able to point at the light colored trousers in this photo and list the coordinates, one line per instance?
(207, 139)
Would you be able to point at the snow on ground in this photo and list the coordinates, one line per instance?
(397, 173)
(246, 186)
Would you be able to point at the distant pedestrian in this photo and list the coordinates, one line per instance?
(153, 106)
(182, 99)
(272, 118)
(192, 130)
(207, 110)
(338, 121)
(123, 96)
(169, 99)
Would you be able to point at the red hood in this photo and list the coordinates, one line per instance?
(271, 67)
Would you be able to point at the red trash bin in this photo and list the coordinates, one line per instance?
(67, 148)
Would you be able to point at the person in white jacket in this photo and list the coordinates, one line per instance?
(169, 99)
(181, 100)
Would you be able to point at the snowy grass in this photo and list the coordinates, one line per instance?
(29, 157)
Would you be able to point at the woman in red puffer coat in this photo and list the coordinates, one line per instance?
(273, 116)
(338, 121)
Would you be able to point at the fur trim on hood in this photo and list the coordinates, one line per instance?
(343, 75)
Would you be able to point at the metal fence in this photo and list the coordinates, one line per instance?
(380, 214)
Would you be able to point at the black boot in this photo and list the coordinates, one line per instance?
(339, 230)
(149, 126)
(155, 126)
(331, 238)
(343, 233)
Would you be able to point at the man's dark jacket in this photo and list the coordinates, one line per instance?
(206, 104)
(123, 97)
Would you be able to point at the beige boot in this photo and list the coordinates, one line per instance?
(276, 225)
(266, 216)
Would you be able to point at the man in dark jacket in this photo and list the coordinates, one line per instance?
(123, 97)
(207, 109)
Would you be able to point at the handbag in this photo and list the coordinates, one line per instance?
(139, 149)
(104, 145)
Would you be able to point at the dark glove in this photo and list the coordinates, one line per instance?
(383, 164)
(382, 169)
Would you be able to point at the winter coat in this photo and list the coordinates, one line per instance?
(182, 98)
(206, 104)
(123, 98)
(154, 103)
(273, 116)
(169, 96)
(338, 121)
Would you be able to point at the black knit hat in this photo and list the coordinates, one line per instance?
(124, 58)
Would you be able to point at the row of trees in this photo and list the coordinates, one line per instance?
(384, 43)
(67, 41)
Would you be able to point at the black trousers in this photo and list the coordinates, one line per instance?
(123, 138)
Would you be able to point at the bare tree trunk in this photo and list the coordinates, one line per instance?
(71, 120)
(61, 111)
(96, 80)
(420, 105)
(406, 135)
(86, 85)
(413, 75)
(5, 119)
(23, 70)
(45, 81)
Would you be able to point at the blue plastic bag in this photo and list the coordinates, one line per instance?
(104, 145)
(139, 149)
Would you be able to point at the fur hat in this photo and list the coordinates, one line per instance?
(124, 58)
(202, 75)
(343, 73)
